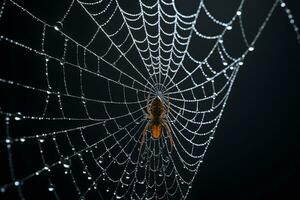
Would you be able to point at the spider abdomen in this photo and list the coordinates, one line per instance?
(156, 131)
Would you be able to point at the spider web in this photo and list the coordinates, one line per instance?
(96, 67)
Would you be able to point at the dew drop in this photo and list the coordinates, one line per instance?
(241, 62)
(107, 189)
(51, 187)
(225, 63)
(8, 140)
(127, 177)
(18, 116)
(66, 163)
(239, 12)
(62, 61)
(22, 140)
(221, 40)
(2, 189)
(101, 160)
(41, 140)
(58, 26)
(282, 4)
(251, 48)
(229, 27)
(47, 168)
(17, 183)
(118, 197)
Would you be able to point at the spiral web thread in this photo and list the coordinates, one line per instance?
(126, 57)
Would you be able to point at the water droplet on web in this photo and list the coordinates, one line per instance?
(239, 12)
(221, 40)
(8, 140)
(47, 168)
(241, 62)
(282, 4)
(51, 187)
(251, 48)
(118, 197)
(17, 183)
(2, 189)
(229, 27)
(101, 160)
(66, 163)
(22, 140)
(18, 116)
(58, 26)
(62, 61)
(127, 177)
(89, 178)
(41, 139)
(107, 189)
(225, 63)
(84, 172)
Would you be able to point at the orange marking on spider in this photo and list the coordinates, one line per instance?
(157, 119)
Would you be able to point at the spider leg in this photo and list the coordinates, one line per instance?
(144, 134)
(168, 129)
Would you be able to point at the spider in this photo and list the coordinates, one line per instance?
(157, 119)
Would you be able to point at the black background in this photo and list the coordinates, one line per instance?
(255, 153)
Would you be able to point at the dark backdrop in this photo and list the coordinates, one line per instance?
(255, 153)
